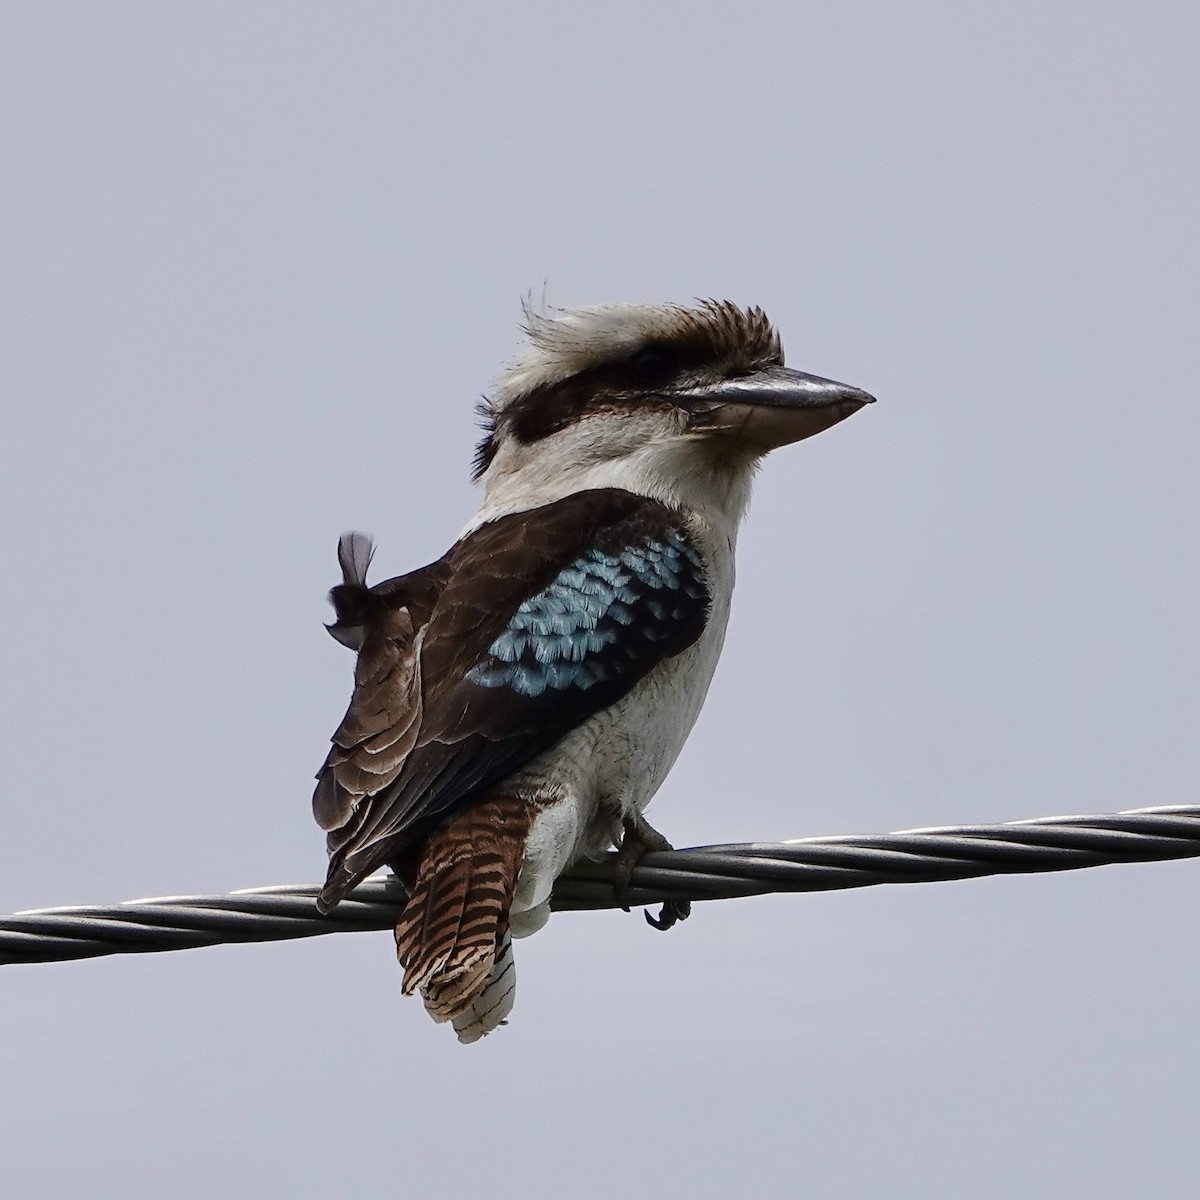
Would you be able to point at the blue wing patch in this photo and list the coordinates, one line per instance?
(599, 619)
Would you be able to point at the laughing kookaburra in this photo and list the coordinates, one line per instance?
(518, 702)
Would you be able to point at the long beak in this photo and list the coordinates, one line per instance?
(772, 407)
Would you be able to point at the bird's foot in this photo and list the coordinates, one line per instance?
(638, 839)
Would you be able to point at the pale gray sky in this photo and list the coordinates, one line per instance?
(258, 262)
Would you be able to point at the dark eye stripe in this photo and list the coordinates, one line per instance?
(653, 366)
(716, 335)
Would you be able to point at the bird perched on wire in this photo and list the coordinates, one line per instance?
(518, 702)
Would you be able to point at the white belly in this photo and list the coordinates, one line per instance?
(614, 762)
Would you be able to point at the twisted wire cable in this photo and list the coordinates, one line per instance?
(704, 873)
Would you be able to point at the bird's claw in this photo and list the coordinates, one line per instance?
(639, 839)
(671, 912)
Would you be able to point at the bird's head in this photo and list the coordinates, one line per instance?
(672, 402)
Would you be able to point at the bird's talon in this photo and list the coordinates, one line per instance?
(662, 921)
(639, 839)
(671, 912)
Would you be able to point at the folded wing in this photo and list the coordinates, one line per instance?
(474, 665)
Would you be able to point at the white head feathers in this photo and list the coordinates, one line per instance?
(565, 341)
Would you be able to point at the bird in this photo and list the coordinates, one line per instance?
(518, 702)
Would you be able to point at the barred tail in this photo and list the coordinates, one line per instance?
(452, 937)
(492, 1005)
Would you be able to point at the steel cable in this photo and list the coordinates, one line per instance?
(704, 873)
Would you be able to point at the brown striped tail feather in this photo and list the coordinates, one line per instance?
(492, 1003)
(452, 938)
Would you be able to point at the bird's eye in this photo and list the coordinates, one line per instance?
(653, 365)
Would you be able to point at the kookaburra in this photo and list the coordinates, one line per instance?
(519, 701)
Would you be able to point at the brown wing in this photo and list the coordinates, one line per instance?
(543, 619)
(386, 623)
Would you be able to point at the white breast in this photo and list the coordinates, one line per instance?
(616, 760)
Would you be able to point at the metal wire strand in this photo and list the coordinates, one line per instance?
(705, 873)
